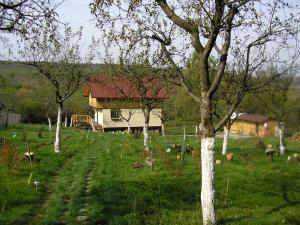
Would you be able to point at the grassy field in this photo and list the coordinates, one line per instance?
(100, 179)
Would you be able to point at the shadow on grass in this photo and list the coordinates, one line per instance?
(231, 220)
(141, 202)
(285, 197)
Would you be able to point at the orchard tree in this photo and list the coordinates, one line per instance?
(275, 99)
(127, 115)
(76, 104)
(149, 90)
(223, 100)
(240, 34)
(59, 59)
(46, 98)
(27, 16)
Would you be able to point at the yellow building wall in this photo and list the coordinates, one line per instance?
(113, 104)
(243, 127)
(252, 128)
(270, 130)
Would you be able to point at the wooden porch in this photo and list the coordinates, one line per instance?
(84, 121)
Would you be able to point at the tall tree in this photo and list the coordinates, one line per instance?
(241, 34)
(127, 115)
(275, 99)
(59, 59)
(150, 90)
(26, 16)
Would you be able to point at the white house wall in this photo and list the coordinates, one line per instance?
(137, 119)
(99, 116)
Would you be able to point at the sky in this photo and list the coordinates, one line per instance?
(74, 12)
(77, 13)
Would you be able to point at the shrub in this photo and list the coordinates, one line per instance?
(40, 133)
(24, 136)
(296, 136)
(9, 156)
(2, 139)
(259, 144)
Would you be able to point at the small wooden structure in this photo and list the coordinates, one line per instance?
(80, 119)
(256, 125)
(85, 120)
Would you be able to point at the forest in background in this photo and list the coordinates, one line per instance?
(24, 90)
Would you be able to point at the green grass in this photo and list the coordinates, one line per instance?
(259, 192)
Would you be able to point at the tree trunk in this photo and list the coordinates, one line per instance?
(93, 125)
(57, 143)
(282, 147)
(207, 162)
(184, 132)
(71, 122)
(146, 130)
(128, 127)
(163, 129)
(208, 187)
(225, 140)
(66, 120)
(49, 122)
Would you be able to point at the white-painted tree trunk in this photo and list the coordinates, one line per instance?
(146, 137)
(196, 130)
(58, 126)
(282, 147)
(71, 122)
(225, 140)
(49, 123)
(208, 187)
(128, 127)
(66, 120)
(184, 132)
(93, 125)
(163, 129)
(146, 131)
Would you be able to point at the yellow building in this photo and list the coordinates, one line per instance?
(256, 125)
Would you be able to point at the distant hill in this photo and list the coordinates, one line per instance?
(19, 74)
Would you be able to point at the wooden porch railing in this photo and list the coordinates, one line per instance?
(79, 119)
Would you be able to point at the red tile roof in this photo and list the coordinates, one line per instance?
(118, 87)
(253, 118)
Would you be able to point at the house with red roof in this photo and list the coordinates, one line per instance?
(253, 124)
(115, 102)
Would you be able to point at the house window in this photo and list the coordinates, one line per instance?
(115, 114)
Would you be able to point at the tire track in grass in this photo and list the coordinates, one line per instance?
(62, 188)
(37, 214)
(51, 188)
(82, 217)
